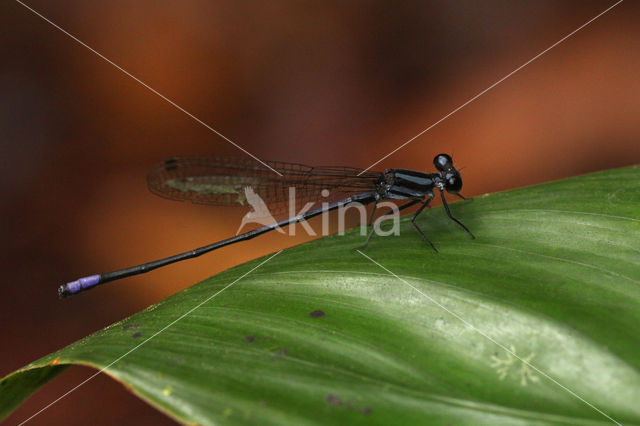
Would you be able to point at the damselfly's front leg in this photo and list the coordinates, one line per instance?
(446, 208)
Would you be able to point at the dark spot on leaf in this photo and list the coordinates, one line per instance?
(136, 335)
(316, 314)
(176, 360)
(332, 399)
(282, 352)
(262, 403)
(366, 410)
(130, 326)
(250, 339)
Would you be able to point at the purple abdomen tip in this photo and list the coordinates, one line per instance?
(81, 284)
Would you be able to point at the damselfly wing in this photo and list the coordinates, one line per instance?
(229, 181)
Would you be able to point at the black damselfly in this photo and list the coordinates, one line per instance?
(225, 181)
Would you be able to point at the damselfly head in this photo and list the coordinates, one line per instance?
(452, 181)
(443, 162)
(451, 177)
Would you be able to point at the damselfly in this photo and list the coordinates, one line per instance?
(225, 181)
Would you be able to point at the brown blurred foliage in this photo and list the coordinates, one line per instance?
(340, 83)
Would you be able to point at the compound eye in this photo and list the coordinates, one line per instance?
(453, 182)
(443, 162)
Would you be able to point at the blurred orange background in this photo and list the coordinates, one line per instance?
(326, 83)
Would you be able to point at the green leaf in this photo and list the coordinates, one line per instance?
(322, 334)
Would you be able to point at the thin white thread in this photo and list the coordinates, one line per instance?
(150, 88)
(491, 87)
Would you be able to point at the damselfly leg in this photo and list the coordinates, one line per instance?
(413, 220)
(402, 207)
(446, 208)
